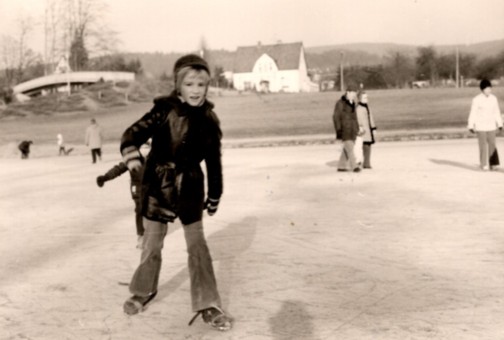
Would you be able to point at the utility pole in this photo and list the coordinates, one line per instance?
(342, 81)
(457, 69)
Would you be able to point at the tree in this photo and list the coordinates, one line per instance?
(78, 54)
(398, 70)
(467, 64)
(81, 25)
(426, 67)
(446, 66)
(487, 68)
(218, 79)
(51, 23)
(115, 63)
(134, 66)
(375, 77)
(16, 56)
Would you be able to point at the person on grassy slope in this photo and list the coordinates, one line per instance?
(184, 131)
(484, 120)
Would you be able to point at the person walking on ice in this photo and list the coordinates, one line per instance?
(61, 146)
(185, 131)
(94, 139)
(346, 127)
(366, 128)
(484, 120)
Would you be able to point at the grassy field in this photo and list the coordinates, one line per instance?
(251, 115)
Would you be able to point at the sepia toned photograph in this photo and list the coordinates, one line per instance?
(263, 170)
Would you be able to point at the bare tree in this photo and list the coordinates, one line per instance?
(51, 25)
(83, 23)
(426, 64)
(16, 56)
(399, 70)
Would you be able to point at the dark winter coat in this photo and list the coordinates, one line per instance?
(182, 137)
(345, 120)
(24, 147)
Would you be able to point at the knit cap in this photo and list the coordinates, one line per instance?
(190, 60)
(484, 84)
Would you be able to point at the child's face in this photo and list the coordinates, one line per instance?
(194, 86)
(487, 91)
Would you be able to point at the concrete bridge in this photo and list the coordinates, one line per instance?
(62, 81)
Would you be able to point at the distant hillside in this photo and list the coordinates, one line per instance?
(375, 53)
(481, 50)
(378, 50)
(322, 57)
(155, 64)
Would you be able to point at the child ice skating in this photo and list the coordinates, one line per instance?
(135, 187)
(185, 131)
(61, 146)
(24, 147)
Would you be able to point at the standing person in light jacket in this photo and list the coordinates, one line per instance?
(347, 128)
(94, 139)
(184, 131)
(484, 120)
(367, 127)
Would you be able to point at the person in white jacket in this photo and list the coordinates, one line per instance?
(484, 120)
(93, 139)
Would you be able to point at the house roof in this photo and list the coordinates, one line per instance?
(286, 56)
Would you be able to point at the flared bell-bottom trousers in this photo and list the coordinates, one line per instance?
(145, 280)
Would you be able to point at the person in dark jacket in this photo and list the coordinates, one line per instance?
(24, 147)
(347, 128)
(135, 186)
(185, 131)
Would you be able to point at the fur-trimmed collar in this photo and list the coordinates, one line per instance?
(345, 99)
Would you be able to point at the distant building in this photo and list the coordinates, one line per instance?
(272, 68)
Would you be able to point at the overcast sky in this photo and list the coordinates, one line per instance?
(179, 26)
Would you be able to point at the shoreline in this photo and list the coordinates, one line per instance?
(10, 150)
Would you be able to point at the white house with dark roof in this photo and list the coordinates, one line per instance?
(272, 68)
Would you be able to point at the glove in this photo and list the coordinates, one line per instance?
(100, 180)
(211, 205)
(471, 130)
